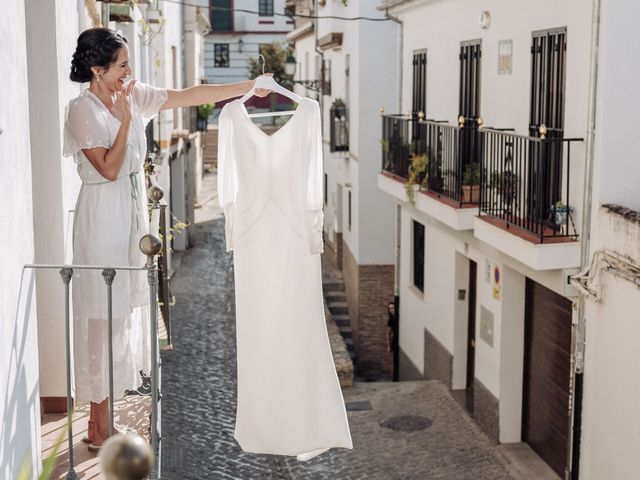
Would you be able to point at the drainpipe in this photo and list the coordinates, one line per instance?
(579, 326)
(398, 229)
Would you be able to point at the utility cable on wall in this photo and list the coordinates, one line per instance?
(254, 12)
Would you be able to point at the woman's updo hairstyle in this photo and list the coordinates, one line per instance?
(97, 47)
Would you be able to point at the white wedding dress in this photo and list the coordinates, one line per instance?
(271, 188)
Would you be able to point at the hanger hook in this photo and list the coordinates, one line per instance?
(263, 62)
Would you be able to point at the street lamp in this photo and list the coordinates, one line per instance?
(290, 70)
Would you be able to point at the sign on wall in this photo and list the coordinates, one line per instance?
(497, 282)
(505, 56)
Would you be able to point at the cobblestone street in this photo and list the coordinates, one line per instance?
(432, 439)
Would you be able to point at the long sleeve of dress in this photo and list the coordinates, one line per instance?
(227, 174)
(313, 214)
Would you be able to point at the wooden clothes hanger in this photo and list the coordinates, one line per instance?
(267, 82)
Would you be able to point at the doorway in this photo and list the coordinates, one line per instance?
(471, 338)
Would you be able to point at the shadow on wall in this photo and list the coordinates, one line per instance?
(20, 421)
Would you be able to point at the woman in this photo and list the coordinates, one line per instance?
(105, 134)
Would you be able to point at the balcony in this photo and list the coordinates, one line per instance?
(526, 205)
(442, 190)
(339, 129)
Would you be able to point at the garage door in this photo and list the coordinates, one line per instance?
(545, 421)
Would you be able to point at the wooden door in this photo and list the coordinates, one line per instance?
(547, 370)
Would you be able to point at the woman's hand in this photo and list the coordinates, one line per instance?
(262, 92)
(123, 102)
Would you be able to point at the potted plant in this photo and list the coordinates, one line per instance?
(204, 111)
(560, 211)
(418, 165)
(471, 183)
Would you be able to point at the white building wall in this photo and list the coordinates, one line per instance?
(611, 425)
(20, 398)
(504, 101)
(55, 181)
(252, 33)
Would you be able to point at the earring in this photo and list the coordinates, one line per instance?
(98, 78)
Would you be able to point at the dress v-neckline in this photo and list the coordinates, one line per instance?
(283, 127)
(103, 105)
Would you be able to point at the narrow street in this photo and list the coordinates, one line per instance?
(407, 430)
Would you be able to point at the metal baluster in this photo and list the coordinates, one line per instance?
(151, 245)
(66, 274)
(108, 274)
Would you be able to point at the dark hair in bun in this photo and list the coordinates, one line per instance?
(97, 47)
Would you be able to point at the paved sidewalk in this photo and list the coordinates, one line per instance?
(408, 430)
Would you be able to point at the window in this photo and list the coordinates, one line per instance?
(221, 16)
(419, 97)
(326, 193)
(418, 255)
(349, 211)
(221, 55)
(265, 8)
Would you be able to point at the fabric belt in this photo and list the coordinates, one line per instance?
(135, 191)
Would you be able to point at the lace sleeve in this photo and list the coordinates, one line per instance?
(314, 216)
(84, 127)
(227, 174)
(148, 100)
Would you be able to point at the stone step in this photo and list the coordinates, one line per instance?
(333, 286)
(346, 333)
(349, 343)
(338, 308)
(335, 295)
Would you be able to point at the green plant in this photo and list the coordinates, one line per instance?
(338, 103)
(471, 174)
(275, 57)
(418, 165)
(205, 109)
(384, 143)
(560, 206)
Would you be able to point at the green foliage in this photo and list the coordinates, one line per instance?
(471, 174)
(275, 56)
(418, 165)
(205, 109)
(337, 103)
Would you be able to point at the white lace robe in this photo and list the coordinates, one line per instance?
(110, 218)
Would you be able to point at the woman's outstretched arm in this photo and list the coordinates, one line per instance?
(200, 94)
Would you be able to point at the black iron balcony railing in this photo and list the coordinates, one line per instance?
(401, 138)
(453, 168)
(524, 182)
(339, 129)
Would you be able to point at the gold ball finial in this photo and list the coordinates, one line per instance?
(126, 457)
(150, 245)
(421, 115)
(480, 122)
(381, 110)
(461, 120)
(155, 194)
(543, 131)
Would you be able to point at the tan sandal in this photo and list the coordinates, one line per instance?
(88, 438)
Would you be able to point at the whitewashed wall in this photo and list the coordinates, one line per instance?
(50, 46)
(441, 26)
(611, 425)
(19, 400)
(438, 309)
(372, 51)
(252, 33)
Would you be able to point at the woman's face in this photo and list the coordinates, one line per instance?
(113, 78)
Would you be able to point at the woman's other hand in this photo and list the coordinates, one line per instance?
(263, 92)
(123, 102)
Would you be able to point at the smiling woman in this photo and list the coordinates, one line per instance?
(105, 134)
